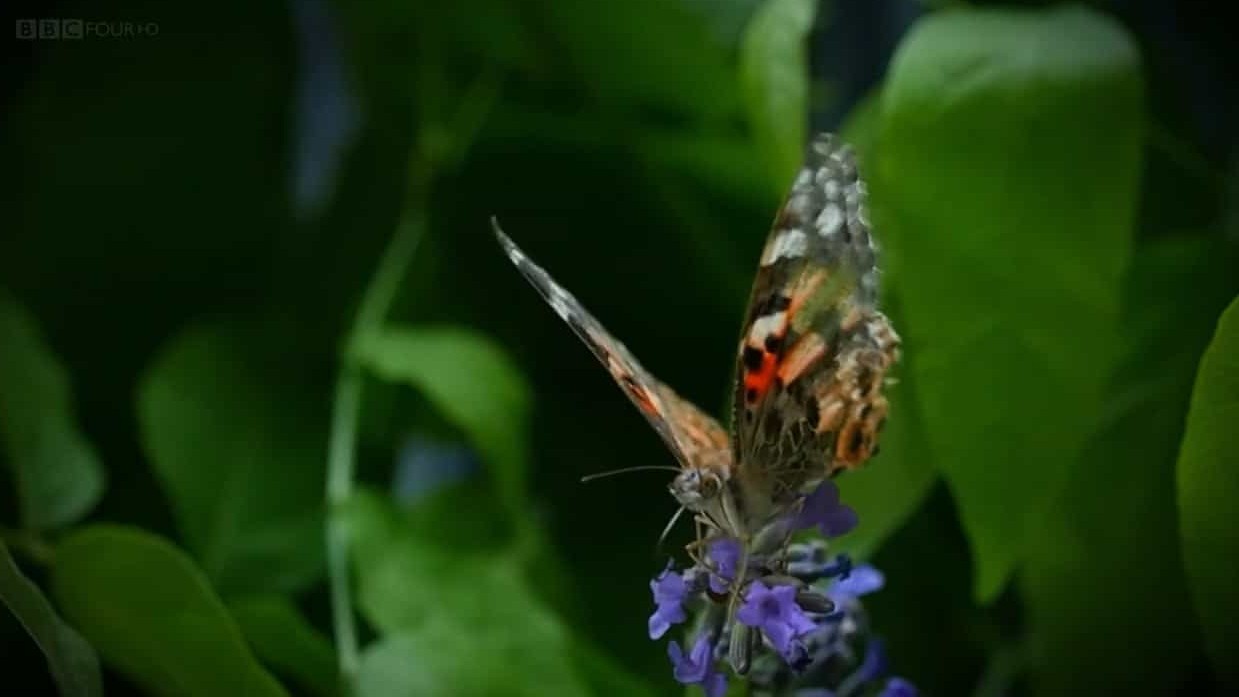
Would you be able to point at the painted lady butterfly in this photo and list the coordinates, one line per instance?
(812, 362)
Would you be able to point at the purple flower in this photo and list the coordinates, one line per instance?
(861, 580)
(725, 553)
(898, 687)
(797, 655)
(775, 612)
(669, 591)
(874, 666)
(697, 668)
(823, 510)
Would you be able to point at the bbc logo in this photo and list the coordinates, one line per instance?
(53, 29)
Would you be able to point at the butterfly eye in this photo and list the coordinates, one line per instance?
(693, 487)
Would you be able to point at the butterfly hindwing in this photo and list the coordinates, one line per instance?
(694, 437)
(815, 350)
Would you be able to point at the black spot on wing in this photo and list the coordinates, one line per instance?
(752, 358)
(774, 343)
(856, 441)
(812, 413)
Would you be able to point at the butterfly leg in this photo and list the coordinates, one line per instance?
(787, 539)
(694, 548)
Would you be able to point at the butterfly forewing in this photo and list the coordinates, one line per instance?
(814, 349)
(696, 439)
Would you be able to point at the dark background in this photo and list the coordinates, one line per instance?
(246, 166)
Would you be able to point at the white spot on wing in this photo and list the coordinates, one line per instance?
(829, 221)
(765, 326)
(788, 244)
(561, 302)
(799, 205)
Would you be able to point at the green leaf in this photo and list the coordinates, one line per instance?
(1007, 173)
(235, 432)
(726, 18)
(287, 643)
(1087, 581)
(677, 67)
(774, 77)
(57, 474)
(72, 661)
(1208, 488)
(442, 657)
(472, 382)
(152, 614)
(404, 577)
(465, 620)
(720, 162)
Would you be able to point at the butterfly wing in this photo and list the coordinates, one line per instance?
(815, 350)
(694, 437)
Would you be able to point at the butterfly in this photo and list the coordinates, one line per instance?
(813, 358)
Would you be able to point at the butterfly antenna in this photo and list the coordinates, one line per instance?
(638, 468)
(675, 517)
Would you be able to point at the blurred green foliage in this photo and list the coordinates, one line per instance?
(1006, 162)
(72, 662)
(153, 615)
(1206, 486)
(55, 471)
(207, 380)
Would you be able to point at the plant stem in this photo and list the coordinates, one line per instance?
(346, 411)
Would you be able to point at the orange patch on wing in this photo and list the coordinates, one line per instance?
(640, 396)
(695, 433)
(643, 401)
(758, 382)
(852, 445)
(803, 354)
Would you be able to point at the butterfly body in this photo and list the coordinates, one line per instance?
(813, 357)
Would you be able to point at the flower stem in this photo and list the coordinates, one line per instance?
(342, 444)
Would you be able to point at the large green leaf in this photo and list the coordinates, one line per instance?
(1208, 483)
(1088, 580)
(152, 614)
(466, 620)
(236, 435)
(774, 74)
(73, 663)
(472, 382)
(287, 643)
(58, 476)
(445, 658)
(1006, 171)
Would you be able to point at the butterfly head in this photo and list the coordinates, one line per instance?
(696, 487)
